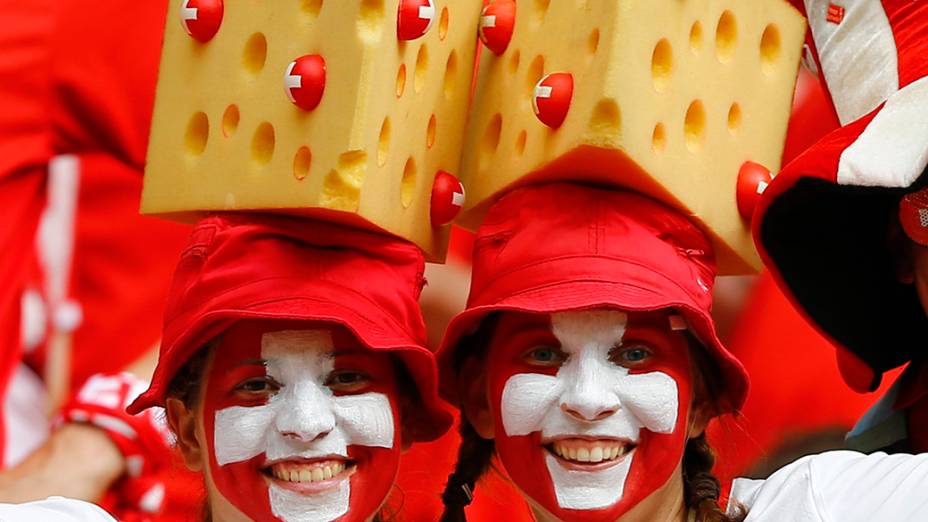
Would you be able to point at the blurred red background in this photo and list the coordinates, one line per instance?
(87, 89)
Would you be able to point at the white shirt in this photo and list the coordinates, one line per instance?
(54, 509)
(840, 486)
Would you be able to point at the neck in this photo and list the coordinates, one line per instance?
(664, 505)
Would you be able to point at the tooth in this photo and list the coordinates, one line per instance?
(572, 453)
(337, 469)
(304, 476)
(327, 472)
(317, 475)
(583, 455)
(294, 476)
(559, 450)
(614, 453)
(596, 455)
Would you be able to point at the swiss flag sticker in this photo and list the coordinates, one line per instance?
(835, 14)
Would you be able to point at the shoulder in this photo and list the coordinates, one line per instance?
(843, 486)
(54, 509)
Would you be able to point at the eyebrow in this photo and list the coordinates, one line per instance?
(347, 351)
(252, 362)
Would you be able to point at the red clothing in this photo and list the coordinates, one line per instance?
(25, 31)
(78, 78)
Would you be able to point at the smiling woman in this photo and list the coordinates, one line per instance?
(587, 359)
(290, 424)
(291, 384)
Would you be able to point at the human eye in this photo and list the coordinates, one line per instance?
(348, 381)
(633, 355)
(256, 387)
(544, 356)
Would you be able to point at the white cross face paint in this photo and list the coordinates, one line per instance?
(590, 419)
(305, 446)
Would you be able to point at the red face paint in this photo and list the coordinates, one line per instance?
(590, 408)
(287, 400)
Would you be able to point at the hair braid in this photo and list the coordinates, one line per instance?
(474, 457)
(701, 488)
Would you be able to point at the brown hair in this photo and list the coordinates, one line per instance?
(701, 488)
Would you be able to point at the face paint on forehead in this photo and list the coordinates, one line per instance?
(274, 460)
(585, 443)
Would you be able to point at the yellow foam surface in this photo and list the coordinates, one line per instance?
(225, 136)
(670, 98)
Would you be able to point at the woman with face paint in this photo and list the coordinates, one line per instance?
(587, 359)
(293, 367)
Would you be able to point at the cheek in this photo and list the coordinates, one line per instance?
(234, 466)
(375, 438)
(369, 419)
(657, 399)
(520, 404)
(523, 401)
(517, 396)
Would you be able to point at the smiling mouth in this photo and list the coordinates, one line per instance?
(310, 476)
(590, 453)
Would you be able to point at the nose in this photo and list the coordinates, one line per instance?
(589, 414)
(307, 415)
(591, 397)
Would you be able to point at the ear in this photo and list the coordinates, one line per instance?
(183, 422)
(475, 405)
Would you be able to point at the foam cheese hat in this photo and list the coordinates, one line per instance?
(565, 247)
(241, 266)
(822, 225)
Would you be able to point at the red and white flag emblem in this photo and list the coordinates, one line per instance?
(835, 14)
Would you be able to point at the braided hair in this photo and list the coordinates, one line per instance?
(474, 457)
(702, 489)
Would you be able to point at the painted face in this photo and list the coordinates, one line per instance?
(590, 408)
(301, 424)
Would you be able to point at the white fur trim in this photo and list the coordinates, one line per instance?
(893, 150)
(859, 57)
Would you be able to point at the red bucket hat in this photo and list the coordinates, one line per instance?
(275, 267)
(562, 247)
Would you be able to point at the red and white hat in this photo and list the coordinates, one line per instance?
(822, 225)
(242, 266)
(563, 247)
